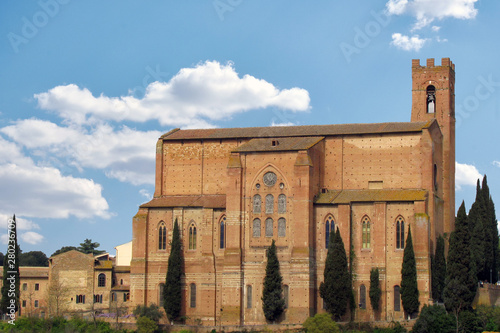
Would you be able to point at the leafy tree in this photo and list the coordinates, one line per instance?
(336, 288)
(273, 302)
(11, 272)
(409, 287)
(146, 325)
(434, 319)
(438, 270)
(90, 247)
(375, 291)
(321, 323)
(64, 249)
(33, 258)
(460, 284)
(172, 293)
(152, 312)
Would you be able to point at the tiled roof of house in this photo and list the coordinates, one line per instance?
(289, 131)
(348, 196)
(30, 271)
(207, 201)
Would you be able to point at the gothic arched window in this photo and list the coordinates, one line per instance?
(400, 233)
(362, 297)
(397, 299)
(192, 237)
(366, 232)
(269, 204)
(281, 204)
(101, 280)
(192, 298)
(162, 236)
(431, 99)
(222, 232)
(329, 227)
(257, 203)
(256, 228)
(281, 227)
(269, 227)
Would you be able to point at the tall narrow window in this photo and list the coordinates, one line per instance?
(431, 99)
(362, 297)
(397, 299)
(257, 203)
(162, 236)
(192, 237)
(400, 233)
(285, 295)
(434, 176)
(366, 233)
(329, 227)
(269, 204)
(161, 290)
(37, 286)
(256, 228)
(192, 298)
(282, 204)
(249, 297)
(269, 227)
(222, 232)
(101, 280)
(281, 227)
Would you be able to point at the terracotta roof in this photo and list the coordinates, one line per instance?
(122, 269)
(29, 271)
(281, 144)
(288, 131)
(348, 196)
(208, 201)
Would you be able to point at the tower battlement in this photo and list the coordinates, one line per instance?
(445, 62)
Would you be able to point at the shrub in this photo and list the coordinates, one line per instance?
(434, 318)
(153, 312)
(146, 325)
(321, 323)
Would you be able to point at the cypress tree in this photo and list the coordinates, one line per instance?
(9, 303)
(273, 302)
(409, 287)
(438, 270)
(460, 284)
(491, 230)
(336, 289)
(172, 293)
(375, 291)
(478, 242)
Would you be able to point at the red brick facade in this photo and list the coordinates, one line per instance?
(251, 185)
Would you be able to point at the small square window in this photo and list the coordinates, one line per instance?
(37, 286)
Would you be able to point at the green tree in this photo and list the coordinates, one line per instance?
(321, 323)
(460, 284)
(9, 303)
(273, 302)
(375, 291)
(152, 312)
(434, 319)
(146, 325)
(438, 270)
(491, 235)
(409, 287)
(90, 247)
(172, 293)
(33, 258)
(478, 242)
(336, 288)
(64, 249)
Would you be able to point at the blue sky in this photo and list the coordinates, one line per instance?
(86, 88)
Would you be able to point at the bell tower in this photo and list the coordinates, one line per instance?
(433, 97)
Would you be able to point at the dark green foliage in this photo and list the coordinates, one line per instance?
(172, 293)
(90, 247)
(438, 270)
(146, 325)
(152, 312)
(375, 291)
(336, 288)
(57, 325)
(33, 258)
(489, 317)
(409, 287)
(491, 230)
(10, 291)
(321, 323)
(460, 284)
(1, 259)
(434, 319)
(273, 302)
(64, 249)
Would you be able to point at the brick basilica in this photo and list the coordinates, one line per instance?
(233, 190)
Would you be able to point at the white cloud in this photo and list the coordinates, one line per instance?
(466, 175)
(146, 194)
(274, 124)
(426, 11)
(408, 43)
(36, 191)
(22, 223)
(435, 28)
(125, 154)
(192, 98)
(32, 237)
(496, 163)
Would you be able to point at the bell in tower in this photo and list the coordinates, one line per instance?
(431, 99)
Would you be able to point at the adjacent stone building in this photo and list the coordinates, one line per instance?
(233, 190)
